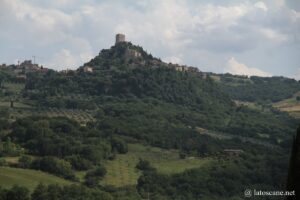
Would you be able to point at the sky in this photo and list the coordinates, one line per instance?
(246, 37)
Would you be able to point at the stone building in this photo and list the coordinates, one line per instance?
(87, 69)
(133, 53)
(29, 66)
(120, 38)
(193, 69)
(180, 68)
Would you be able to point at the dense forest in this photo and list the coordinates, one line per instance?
(179, 98)
(259, 89)
(192, 99)
(222, 180)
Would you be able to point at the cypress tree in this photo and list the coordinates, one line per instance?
(293, 181)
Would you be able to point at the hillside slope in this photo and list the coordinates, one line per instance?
(28, 178)
(140, 87)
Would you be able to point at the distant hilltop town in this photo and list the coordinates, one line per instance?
(121, 38)
(134, 57)
(22, 68)
(131, 55)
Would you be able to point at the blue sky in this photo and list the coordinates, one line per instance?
(241, 37)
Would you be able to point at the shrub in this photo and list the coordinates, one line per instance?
(92, 177)
(25, 161)
(55, 166)
(3, 162)
(144, 165)
(119, 145)
(79, 163)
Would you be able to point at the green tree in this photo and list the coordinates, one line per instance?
(119, 145)
(40, 192)
(18, 193)
(25, 161)
(55, 166)
(144, 165)
(93, 177)
(293, 181)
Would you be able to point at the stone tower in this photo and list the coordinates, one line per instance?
(120, 38)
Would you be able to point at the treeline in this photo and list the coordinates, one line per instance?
(54, 192)
(163, 84)
(226, 178)
(60, 144)
(169, 126)
(259, 89)
(173, 97)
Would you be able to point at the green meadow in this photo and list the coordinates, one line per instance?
(122, 171)
(27, 178)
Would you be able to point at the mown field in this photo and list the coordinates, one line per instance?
(291, 105)
(27, 178)
(122, 171)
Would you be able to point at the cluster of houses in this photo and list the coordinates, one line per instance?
(86, 69)
(21, 69)
(28, 66)
(183, 68)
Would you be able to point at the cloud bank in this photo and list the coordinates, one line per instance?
(234, 67)
(207, 34)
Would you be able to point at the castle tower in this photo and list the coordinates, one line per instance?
(120, 38)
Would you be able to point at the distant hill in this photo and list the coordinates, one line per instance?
(259, 89)
(126, 80)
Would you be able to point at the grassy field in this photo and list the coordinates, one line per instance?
(122, 171)
(291, 105)
(28, 178)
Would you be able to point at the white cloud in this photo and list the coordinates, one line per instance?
(235, 67)
(43, 19)
(78, 53)
(189, 32)
(261, 5)
(65, 59)
(173, 59)
(273, 35)
(275, 4)
(297, 74)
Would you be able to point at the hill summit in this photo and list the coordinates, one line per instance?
(125, 55)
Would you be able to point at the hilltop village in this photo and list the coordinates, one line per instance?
(134, 56)
(22, 68)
